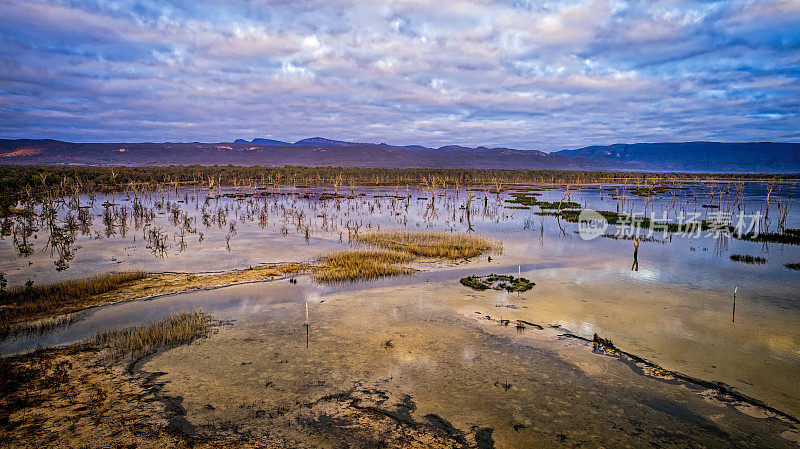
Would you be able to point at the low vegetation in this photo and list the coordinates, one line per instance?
(558, 205)
(523, 198)
(528, 199)
(353, 265)
(28, 303)
(139, 340)
(746, 258)
(650, 191)
(437, 245)
(389, 249)
(793, 266)
(505, 282)
(771, 237)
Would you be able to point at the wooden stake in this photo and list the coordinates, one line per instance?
(733, 317)
(306, 324)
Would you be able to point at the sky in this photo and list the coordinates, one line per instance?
(529, 75)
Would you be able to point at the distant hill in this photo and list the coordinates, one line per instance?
(749, 157)
(318, 151)
(323, 152)
(310, 141)
(260, 141)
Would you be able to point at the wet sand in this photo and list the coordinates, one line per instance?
(398, 360)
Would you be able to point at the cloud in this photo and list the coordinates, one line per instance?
(527, 75)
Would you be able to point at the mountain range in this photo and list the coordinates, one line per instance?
(708, 157)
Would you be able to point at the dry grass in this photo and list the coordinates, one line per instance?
(25, 303)
(19, 305)
(438, 245)
(352, 265)
(394, 249)
(167, 283)
(138, 340)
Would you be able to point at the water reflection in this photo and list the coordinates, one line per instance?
(678, 299)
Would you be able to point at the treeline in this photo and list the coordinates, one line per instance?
(18, 182)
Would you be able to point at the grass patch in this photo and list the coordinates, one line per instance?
(793, 266)
(474, 282)
(498, 282)
(31, 301)
(558, 205)
(138, 340)
(746, 258)
(354, 265)
(649, 191)
(390, 249)
(573, 216)
(530, 199)
(770, 237)
(523, 198)
(438, 245)
(25, 304)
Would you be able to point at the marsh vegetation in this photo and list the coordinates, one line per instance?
(139, 340)
(748, 259)
(355, 265)
(505, 282)
(35, 301)
(435, 245)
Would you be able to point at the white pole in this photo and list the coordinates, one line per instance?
(306, 324)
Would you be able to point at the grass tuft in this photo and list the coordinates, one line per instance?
(138, 340)
(746, 258)
(31, 301)
(505, 282)
(439, 245)
(353, 265)
(474, 282)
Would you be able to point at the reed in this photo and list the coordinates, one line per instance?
(439, 245)
(31, 301)
(138, 340)
(353, 265)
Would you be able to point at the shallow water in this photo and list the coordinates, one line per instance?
(676, 309)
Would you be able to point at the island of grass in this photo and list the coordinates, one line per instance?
(37, 302)
(140, 340)
(649, 191)
(505, 282)
(748, 259)
(523, 198)
(558, 205)
(386, 250)
(527, 199)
